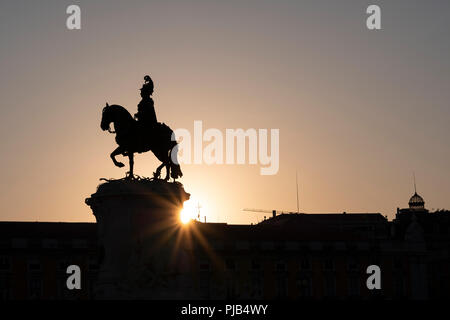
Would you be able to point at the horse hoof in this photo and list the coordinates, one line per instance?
(130, 176)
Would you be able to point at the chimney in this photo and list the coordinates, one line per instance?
(274, 213)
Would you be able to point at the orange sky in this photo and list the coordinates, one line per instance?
(358, 110)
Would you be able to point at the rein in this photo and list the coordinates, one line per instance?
(121, 113)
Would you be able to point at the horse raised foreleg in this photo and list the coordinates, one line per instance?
(116, 152)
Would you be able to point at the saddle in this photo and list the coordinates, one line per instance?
(150, 136)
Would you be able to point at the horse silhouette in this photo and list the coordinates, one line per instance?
(132, 137)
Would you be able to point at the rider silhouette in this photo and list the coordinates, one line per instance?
(146, 115)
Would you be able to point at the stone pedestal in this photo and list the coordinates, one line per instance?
(138, 227)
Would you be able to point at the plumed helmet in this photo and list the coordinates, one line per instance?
(148, 85)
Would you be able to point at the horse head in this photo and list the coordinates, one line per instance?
(107, 118)
(115, 114)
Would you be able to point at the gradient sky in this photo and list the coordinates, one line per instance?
(358, 111)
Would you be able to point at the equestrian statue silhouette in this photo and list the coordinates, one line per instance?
(141, 134)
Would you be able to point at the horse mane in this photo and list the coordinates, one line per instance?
(121, 110)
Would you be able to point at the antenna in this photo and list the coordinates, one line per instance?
(296, 182)
(414, 177)
(199, 207)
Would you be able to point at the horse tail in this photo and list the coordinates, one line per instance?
(175, 171)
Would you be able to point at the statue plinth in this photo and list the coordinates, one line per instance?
(138, 222)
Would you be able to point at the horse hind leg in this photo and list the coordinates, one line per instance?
(167, 165)
(157, 173)
(175, 169)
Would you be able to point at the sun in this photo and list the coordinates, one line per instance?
(190, 211)
(185, 216)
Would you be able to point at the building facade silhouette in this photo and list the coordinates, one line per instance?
(288, 256)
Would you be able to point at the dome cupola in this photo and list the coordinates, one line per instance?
(416, 202)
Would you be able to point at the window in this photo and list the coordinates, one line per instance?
(35, 287)
(5, 263)
(398, 264)
(4, 243)
(79, 243)
(230, 265)
(353, 264)
(281, 286)
(330, 286)
(205, 286)
(256, 265)
(242, 245)
(353, 286)
(305, 264)
(63, 264)
(50, 243)
(4, 288)
(34, 265)
(93, 264)
(267, 245)
(204, 266)
(217, 245)
(256, 290)
(399, 287)
(328, 265)
(280, 266)
(19, 243)
(91, 286)
(231, 289)
(304, 286)
(376, 261)
(62, 291)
